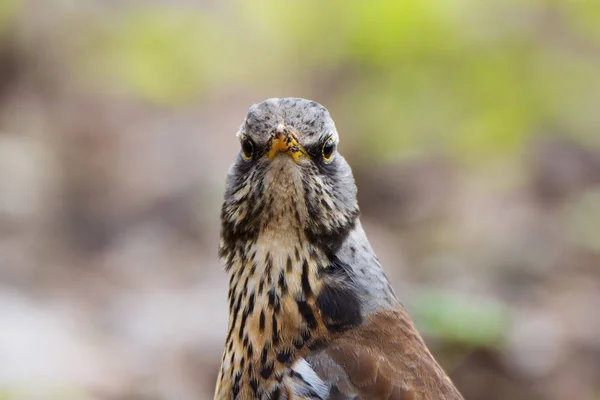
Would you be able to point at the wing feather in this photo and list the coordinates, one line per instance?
(384, 358)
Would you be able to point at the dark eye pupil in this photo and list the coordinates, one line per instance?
(247, 147)
(328, 149)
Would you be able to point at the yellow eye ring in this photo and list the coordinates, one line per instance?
(247, 148)
(328, 148)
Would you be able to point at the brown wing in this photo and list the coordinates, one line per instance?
(384, 358)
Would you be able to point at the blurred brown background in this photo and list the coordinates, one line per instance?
(473, 129)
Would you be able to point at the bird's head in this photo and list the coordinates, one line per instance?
(288, 178)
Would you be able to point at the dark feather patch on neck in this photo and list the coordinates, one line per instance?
(338, 300)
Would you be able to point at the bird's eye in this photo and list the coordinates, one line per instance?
(328, 148)
(247, 148)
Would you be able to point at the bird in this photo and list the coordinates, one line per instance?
(312, 314)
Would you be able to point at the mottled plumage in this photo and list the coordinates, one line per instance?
(312, 315)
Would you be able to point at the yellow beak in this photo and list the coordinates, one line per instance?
(286, 143)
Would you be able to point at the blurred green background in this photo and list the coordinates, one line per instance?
(473, 129)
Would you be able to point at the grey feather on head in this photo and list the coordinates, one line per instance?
(289, 176)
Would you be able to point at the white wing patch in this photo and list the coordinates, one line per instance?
(310, 384)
